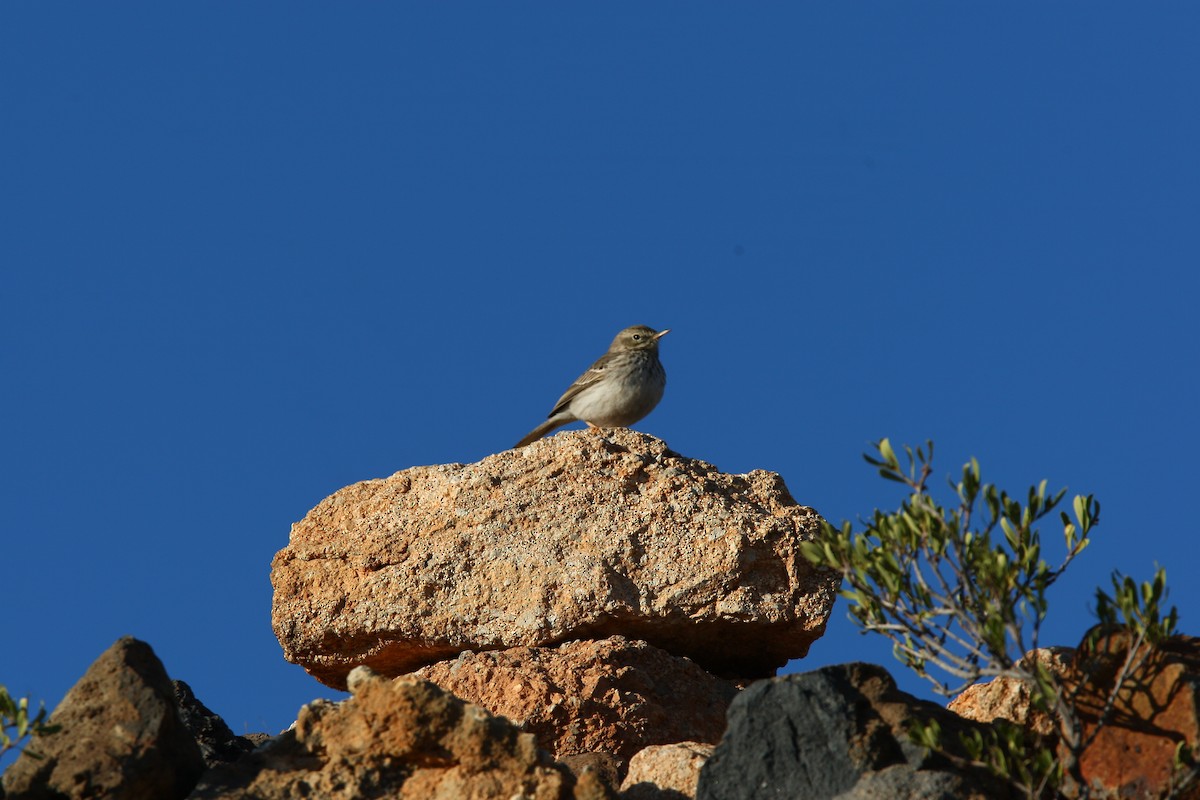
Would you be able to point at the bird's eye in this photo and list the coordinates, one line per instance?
(637, 337)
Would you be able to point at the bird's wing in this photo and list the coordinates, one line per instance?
(588, 379)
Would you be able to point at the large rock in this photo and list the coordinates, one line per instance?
(121, 736)
(580, 536)
(835, 732)
(614, 696)
(402, 738)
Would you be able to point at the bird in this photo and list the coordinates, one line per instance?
(622, 387)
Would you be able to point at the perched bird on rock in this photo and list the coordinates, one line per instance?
(623, 386)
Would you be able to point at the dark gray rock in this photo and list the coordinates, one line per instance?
(651, 791)
(902, 782)
(121, 736)
(837, 732)
(218, 744)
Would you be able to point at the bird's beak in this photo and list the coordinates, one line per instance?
(661, 334)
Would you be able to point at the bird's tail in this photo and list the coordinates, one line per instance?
(543, 429)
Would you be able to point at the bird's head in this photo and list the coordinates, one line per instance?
(638, 337)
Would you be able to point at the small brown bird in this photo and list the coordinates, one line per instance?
(623, 386)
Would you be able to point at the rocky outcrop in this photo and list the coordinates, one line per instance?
(836, 732)
(402, 738)
(615, 695)
(478, 576)
(839, 732)
(121, 736)
(582, 536)
(665, 772)
(1132, 754)
(604, 598)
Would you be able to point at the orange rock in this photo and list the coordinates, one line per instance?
(614, 696)
(582, 535)
(1132, 755)
(401, 738)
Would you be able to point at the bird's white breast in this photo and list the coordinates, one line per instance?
(617, 403)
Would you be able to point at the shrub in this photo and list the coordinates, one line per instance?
(961, 592)
(16, 724)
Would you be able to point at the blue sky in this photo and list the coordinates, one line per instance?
(255, 252)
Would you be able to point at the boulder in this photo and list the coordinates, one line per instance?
(616, 696)
(835, 732)
(121, 736)
(583, 535)
(403, 738)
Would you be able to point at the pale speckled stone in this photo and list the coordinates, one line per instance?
(665, 771)
(1009, 698)
(580, 536)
